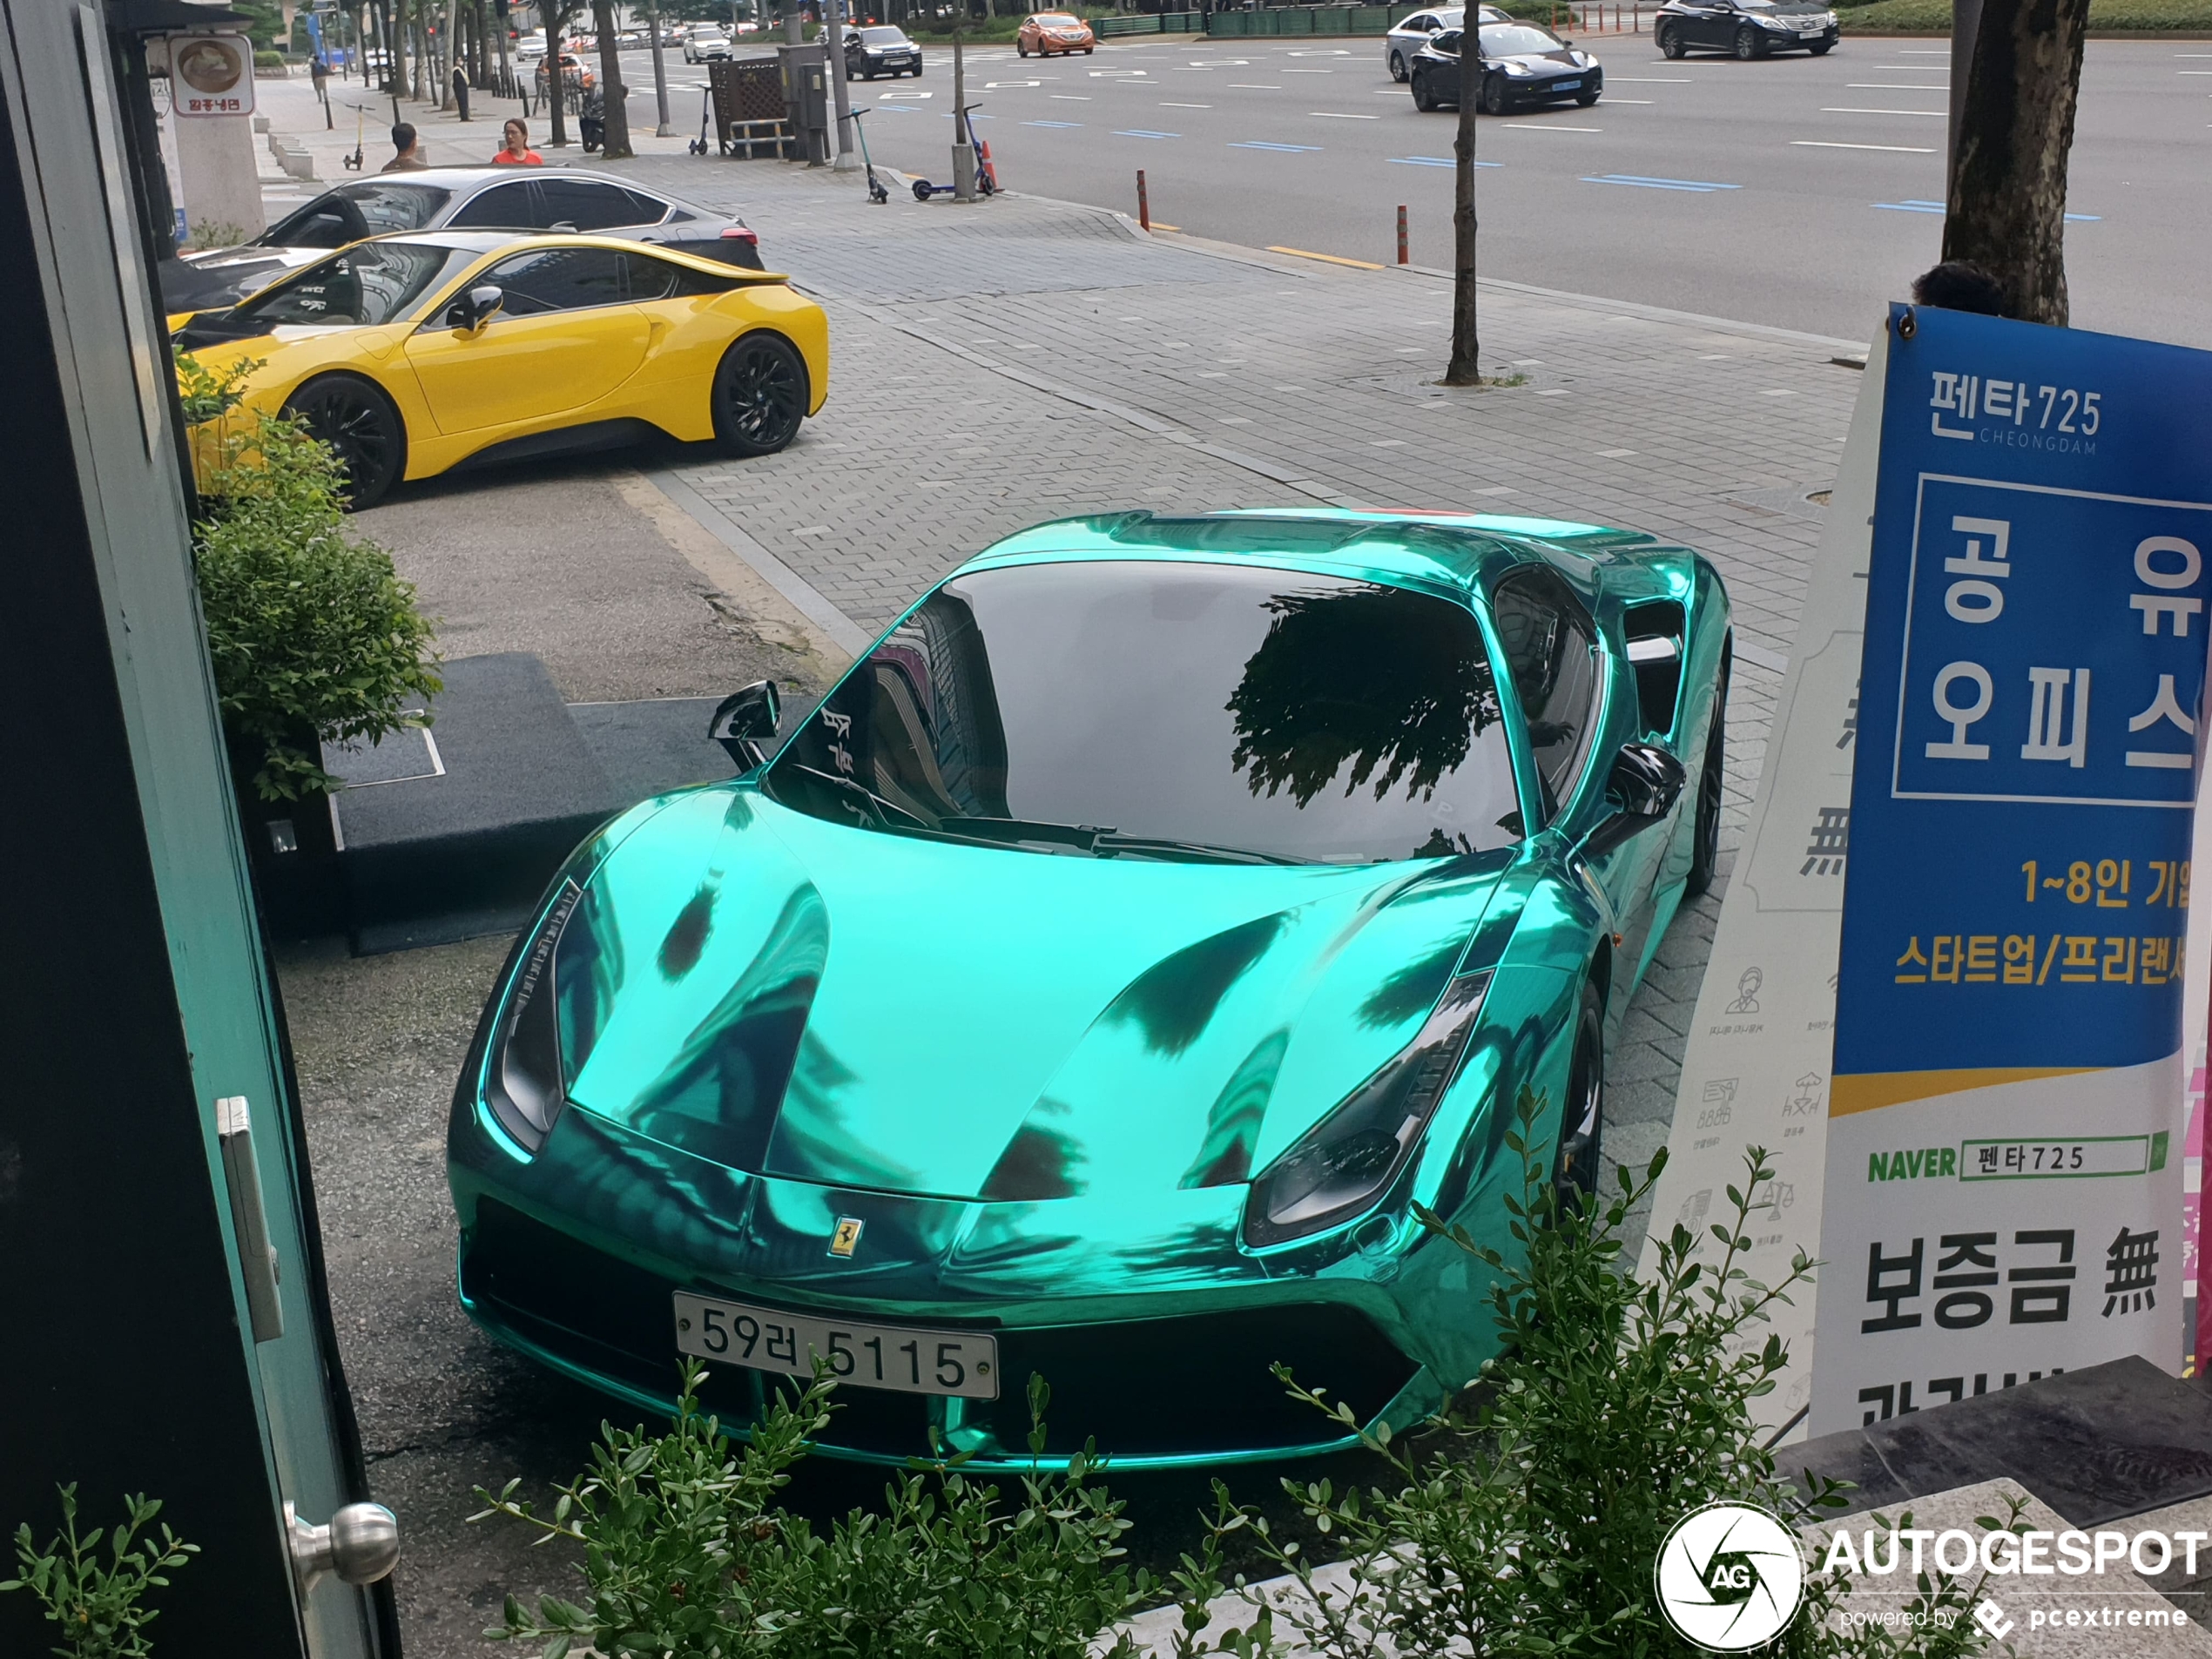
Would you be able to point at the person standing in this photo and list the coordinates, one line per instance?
(517, 152)
(461, 88)
(408, 145)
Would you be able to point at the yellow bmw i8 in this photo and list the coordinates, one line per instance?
(415, 354)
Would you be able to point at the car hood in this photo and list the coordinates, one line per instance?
(797, 998)
(1563, 58)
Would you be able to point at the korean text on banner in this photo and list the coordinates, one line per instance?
(2003, 1188)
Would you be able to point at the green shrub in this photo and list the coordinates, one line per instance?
(313, 636)
(1933, 16)
(268, 60)
(95, 1602)
(685, 1553)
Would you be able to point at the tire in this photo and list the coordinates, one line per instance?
(1493, 95)
(1705, 837)
(1820, 48)
(921, 190)
(917, 71)
(1747, 45)
(359, 423)
(1021, 49)
(760, 395)
(1581, 1115)
(1586, 100)
(1088, 50)
(1423, 98)
(1398, 67)
(1670, 44)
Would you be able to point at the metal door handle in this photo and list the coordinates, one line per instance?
(258, 1260)
(360, 1545)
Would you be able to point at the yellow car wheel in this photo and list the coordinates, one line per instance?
(760, 394)
(362, 427)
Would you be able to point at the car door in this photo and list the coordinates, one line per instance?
(1443, 71)
(566, 336)
(1714, 23)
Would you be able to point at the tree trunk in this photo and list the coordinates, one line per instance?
(614, 99)
(2007, 198)
(557, 85)
(1466, 367)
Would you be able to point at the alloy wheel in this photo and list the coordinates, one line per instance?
(361, 427)
(760, 396)
(1581, 1118)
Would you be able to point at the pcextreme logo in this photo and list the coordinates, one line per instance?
(1729, 1577)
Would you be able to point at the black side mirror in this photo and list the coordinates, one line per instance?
(477, 306)
(748, 717)
(1644, 785)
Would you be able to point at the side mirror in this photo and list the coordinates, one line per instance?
(1644, 785)
(748, 717)
(476, 308)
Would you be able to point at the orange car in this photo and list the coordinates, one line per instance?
(1046, 32)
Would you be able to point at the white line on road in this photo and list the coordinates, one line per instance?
(1654, 80)
(1251, 86)
(1831, 109)
(1186, 106)
(1069, 97)
(1610, 102)
(1335, 115)
(1892, 86)
(1900, 148)
(1547, 127)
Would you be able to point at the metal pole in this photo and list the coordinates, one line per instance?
(1966, 26)
(1145, 202)
(1401, 234)
(963, 151)
(833, 25)
(660, 72)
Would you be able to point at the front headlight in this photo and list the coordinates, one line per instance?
(1775, 23)
(523, 1080)
(1345, 1162)
(1518, 68)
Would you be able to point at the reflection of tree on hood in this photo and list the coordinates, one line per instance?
(1395, 683)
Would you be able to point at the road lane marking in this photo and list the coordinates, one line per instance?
(1251, 86)
(1070, 97)
(1654, 80)
(1327, 259)
(1052, 124)
(1937, 207)
(1899, 149)
(1262, 143)
(1548, 126)
(1833, 110)
(1435, 161)
(1333, 115)
(1186, 106)
(1140, 132)
(1892, 86)
(1699, 185)
(1610, 102)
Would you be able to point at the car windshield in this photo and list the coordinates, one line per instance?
(371, 208)
(374, 283)
(884, 37)
(1058, 20)
(1168, 710)
(1505, 39)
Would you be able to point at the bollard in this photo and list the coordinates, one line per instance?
(1401, 234)
(1144, 206)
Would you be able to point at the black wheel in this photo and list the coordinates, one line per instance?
(921, 190)
(1424, 96)
(1585, 99)
(1670, 43)
(1582, 1115)
(1747, 44)
(362, 427)
(1705, 848)
(1398, 67)
(1819, 48)
(759, 395)
(1021, 49)
(1493, 95)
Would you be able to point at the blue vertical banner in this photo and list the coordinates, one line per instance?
(2002, 1194)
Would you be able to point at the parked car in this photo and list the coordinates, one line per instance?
(455, 197)
(1522, 64)
(1095, 984)
(409, 355)
(1046, 32)
(531, 49)
(880, 51)
(1409, 35)
(705, 42)
(576, 74)
(1748, 28)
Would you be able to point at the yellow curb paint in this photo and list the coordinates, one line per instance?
(1871, 1091)
(1327, 259)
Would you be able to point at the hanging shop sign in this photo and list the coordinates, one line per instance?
(2003, 1188)
(211, 74)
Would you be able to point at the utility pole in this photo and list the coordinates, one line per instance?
(660, 71)
(963, 151)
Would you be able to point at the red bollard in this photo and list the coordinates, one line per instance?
(1143, 205)
(1401, 234)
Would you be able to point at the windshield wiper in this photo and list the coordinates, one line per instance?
(1083, 837)
(1108, 844)
(887, 814)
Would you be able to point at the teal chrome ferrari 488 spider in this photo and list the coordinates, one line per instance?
(1093, 984)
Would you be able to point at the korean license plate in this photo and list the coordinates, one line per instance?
(1812, 34)
(908, 1361)
(1566, 86)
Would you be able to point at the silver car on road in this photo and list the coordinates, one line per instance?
(1410, 34)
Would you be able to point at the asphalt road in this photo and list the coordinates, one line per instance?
(1796, 191)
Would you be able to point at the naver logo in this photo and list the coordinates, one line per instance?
(1729, 1577)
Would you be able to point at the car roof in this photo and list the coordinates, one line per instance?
(477, 175)
(1439, 550)
(509, 242)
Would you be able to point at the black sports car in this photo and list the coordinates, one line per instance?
(1523, 63)
(436, 198)
(881, 49)
(1748, 28)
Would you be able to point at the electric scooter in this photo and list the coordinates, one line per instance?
(986, 176)
(353, 161)
(706, 108)
(877, 194)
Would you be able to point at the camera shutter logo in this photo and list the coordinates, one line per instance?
(1729, 1577)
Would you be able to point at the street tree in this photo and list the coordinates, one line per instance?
(2008, 195)
(614, 132)
(1465, 368)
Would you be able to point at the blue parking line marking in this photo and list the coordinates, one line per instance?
(1139, 132)
(1052, 124)
(1698, 186)
(1258, 144)
(1937, 207)
(1435, 161)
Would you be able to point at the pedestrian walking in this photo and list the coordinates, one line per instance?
(517, 151)
(461, 90)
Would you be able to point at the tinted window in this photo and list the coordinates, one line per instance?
(590, 207)
(1502, 39)
(652, 279)
(1287, 715)
(647, 210)
(367, 285)
(560, 278)
(504, 207)
(374, 208)
(1551, 648)
(884, 37)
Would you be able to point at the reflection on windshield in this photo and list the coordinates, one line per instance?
(1202, 708)
(371, 284)
(374, 208)
(1504, 39)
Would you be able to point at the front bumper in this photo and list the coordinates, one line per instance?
(575, 1257)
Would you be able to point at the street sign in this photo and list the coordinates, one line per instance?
(212, 74)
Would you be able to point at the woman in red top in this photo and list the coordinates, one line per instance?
(518, 152)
